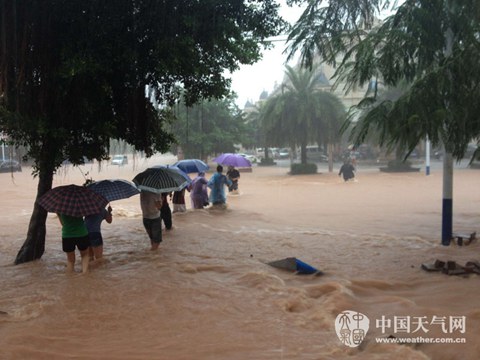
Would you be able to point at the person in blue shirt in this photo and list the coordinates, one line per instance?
(217, 185)
(94, 223)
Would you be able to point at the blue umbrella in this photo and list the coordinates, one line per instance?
(231, 159)
(192, 166)
(114, 189)
(160, 179)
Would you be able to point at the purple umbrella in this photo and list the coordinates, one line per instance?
(230, 159)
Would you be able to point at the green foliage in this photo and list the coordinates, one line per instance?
(301, 169)
(326, 30)
(75, 74)
(210, 127)
(428, 44)
(373, 110)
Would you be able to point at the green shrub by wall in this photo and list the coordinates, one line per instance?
(297, 169)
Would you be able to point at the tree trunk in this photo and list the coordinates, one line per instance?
(303, 154)
(330, 157)
(447, 201)
(34, 245)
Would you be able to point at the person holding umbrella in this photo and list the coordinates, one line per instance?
(111, 190)
(216, 184)
(94, 223)
(153, 182)
(233, 174)
(151, 203)
(198, 191)
(71, 203)
(74, 234)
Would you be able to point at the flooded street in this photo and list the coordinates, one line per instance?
(208, 292)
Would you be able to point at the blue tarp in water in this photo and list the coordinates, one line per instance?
(293, 264)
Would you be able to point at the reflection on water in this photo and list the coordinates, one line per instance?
(208, 293)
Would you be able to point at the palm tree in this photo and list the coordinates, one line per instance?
(301, 112)
(255, 118)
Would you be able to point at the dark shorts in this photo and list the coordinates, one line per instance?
(95, 239)
(234, 185)
(82, 243)
(154, 229)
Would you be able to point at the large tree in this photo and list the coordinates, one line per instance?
(209, 127)
(432, 45)
(301, 112)
(74, 74)
(372, 113)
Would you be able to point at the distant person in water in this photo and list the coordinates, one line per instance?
(347, 170)
(151, 204)
(234, 175)
(178, 201)
(199, 192)
(94, 223)
(217, 185)
(166, 212)
(74, 235)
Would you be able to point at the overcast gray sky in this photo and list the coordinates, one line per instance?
(251, 80)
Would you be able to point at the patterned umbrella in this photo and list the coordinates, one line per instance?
(72, 200)
(231, 159)
(114, 189)
(192, 166)
(161, 179)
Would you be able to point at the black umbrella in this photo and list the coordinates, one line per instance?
(160, 180)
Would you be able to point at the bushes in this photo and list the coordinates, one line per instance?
(399, 166)
(298, 169)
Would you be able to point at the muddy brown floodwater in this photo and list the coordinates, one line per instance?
(208, 294)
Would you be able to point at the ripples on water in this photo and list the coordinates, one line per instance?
(208, 293)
